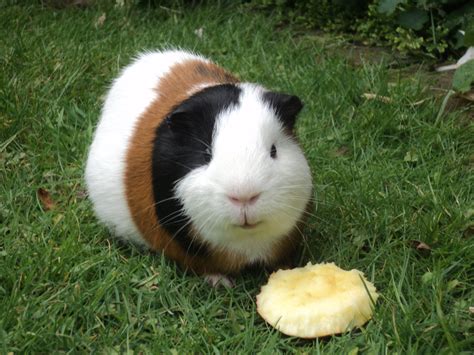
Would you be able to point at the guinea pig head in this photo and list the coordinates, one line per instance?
(239, 180)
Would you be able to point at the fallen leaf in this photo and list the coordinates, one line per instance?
(417, 103)
(46, 202)
(81, 194)
(370, 96)
(417, 244)
(100, 21)
(468, 95)
(199, 32)
(341, 151)
(422, 248)
(469, 231)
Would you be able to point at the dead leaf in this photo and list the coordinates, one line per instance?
(46, 202)
(468, 95)
(418, 244)
(341, 151)
(421, 247)
(419, 102)
(469, 231)
(199, 32)
(471, 310)
(81, 194)
(370, 96)
(100, 21)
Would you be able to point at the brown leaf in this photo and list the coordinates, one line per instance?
(419, 245)
(469, 231)
(46, 202)
(468, 95)
(81, 194)
(341, 151)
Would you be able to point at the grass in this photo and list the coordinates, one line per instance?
(386, 175)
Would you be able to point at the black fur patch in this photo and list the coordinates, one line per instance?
(286, 106)
(180, 146)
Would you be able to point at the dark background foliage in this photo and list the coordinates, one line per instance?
(429, 27)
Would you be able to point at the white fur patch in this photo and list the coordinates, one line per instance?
(241, 165)
(130, 95)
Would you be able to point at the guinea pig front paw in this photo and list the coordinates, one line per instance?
(216, 280)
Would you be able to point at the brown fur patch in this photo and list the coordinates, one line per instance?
(174, 88)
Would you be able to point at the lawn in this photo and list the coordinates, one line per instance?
(393, 184)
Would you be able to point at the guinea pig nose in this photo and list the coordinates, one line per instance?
(244, 200)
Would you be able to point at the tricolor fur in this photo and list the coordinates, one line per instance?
(189, 161)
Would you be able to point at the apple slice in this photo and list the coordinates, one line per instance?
(316, 300)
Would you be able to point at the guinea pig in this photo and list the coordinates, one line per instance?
(189, 161)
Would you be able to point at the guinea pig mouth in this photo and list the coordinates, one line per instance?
(247, 225)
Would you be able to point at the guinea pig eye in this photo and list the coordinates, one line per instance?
(273, 151)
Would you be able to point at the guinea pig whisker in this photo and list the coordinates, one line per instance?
(168, 218)
(303, 236)
(180, 164)
(197, 232)
(201, 141)
(310, 200)
(177, 232)
(304, 239)
(192, 136)
(165, 200)
(201, 227)
(153, 205)
(294, 186)
(193, 239)
(299, 197)
(284, 205)
(276, 219)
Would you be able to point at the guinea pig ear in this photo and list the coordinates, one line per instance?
(286, 106)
